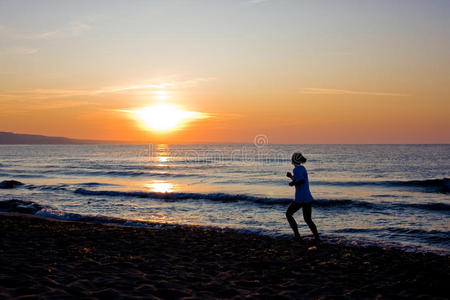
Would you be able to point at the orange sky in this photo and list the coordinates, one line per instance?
(294, 71)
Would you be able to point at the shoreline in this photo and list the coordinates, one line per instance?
(335, 240)
(33, 209)
(58, 258)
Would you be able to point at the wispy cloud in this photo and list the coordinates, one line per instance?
(70, 29)
(24, 105)
(255, 2)
(18, 50)
(129, 89)
(159, 86)
(117, 89)
(174, 85)
(321, 91)
(19, 41)
(44, 93)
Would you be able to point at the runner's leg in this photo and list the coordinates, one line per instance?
(307, 210)
(292, 209)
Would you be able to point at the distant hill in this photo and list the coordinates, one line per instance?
(9, 138)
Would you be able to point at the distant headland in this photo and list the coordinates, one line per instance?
(10, 138)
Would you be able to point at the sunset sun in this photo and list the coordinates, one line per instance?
(164, 117)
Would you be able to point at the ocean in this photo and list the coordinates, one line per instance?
(386, 195)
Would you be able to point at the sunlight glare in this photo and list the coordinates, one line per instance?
(164, 117)
(160, 186)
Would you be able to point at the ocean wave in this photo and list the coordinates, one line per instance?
(221, 197)
(33, 208)
(430, 235)
(20, 206)
(344, 203)
(55, 187)
(102, 167)
(430, 206)
(118, 173)
(224, 197)
(83, 189)
(98, 219)
(428, 185)
(10, 184)
(440, 185)
(95, 184)
(14, 174)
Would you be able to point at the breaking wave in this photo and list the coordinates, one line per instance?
(428, 185)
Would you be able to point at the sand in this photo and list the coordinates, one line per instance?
(55, 259)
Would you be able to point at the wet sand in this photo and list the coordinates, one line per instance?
(56, 259)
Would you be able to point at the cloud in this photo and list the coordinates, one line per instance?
(72, 29)
(321, 91)
(24, 105)
(256, 2)
(130, 89)
(16, 38)
(158, 86)
(163, 85)
(18, 50)
(44, 93)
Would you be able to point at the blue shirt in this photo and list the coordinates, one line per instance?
(302, 193)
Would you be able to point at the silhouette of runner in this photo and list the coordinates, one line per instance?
(303, 198)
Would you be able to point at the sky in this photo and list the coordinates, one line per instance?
(230, 71)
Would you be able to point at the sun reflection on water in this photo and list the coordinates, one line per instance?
(160, 186)
(161, 155)
(162, 158)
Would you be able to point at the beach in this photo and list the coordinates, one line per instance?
(224, 149)
(60, 259)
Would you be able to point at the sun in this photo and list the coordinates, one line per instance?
(165, 117)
